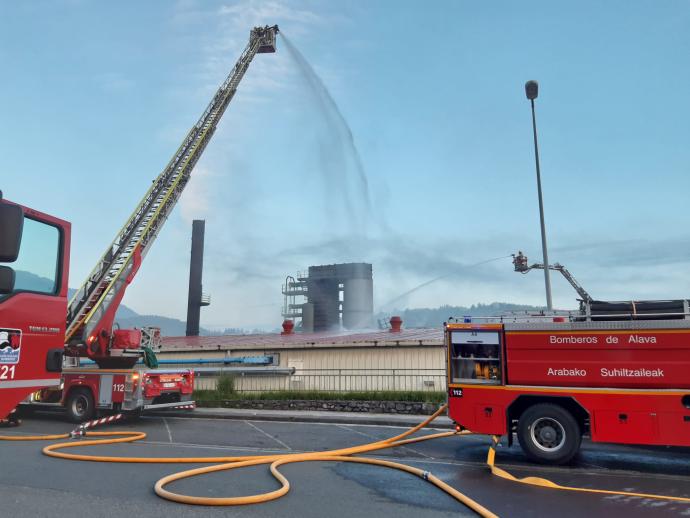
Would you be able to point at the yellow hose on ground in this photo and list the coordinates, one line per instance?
(339, 455)
(543, 482)
(332, 456)
(265, 497)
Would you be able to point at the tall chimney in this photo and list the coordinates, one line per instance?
(196, 266)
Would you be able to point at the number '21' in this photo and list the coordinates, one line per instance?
(6, 372)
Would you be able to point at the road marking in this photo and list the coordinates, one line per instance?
(222, 447)
(455, 463)
(605, 472)
(269, 435)
(306, 423)
(271, 450)
(369, 436)
(531, 469)
(165, 422)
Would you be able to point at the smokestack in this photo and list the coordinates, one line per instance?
(196, 266)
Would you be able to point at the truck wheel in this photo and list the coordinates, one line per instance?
(25, 410)
(549, 434)
(80, 406)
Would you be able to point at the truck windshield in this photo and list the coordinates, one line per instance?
(37, 266)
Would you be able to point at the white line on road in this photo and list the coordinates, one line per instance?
(307, 423)
(530, 468)
(269, 435)
(369, 436)
(252, 449)
(165, 421)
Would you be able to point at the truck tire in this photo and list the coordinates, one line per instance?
(80, 405)
(26, 410)
(549, 434)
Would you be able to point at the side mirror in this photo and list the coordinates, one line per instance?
(6, 280)
(11, 226)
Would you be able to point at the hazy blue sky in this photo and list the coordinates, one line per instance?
(95, 98)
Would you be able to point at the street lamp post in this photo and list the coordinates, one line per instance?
(532, 90)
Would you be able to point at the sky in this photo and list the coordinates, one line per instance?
(96, 97)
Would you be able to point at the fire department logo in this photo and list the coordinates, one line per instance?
(10, 345)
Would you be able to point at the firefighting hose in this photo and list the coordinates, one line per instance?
(339, 455)
(228, 463)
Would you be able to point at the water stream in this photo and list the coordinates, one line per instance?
(339, 157)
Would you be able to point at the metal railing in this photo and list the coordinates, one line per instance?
(333, 380)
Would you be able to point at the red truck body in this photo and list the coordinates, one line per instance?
(640, 358)
(84, 391)
(622, 382)
(35, 321)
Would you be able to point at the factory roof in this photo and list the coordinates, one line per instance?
(406, 337)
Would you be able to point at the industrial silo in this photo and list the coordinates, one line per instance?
(323, 291)
(358, 296)
(307, 317)
(322, 287)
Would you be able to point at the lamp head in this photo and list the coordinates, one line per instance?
(531, 89)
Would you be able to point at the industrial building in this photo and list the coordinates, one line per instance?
(336, 295)
(412, 359)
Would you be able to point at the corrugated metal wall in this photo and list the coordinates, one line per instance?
(340, 369)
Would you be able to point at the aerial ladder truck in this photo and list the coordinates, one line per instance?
(34, 333)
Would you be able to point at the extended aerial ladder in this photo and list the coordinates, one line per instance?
(521, 265)
(91, 311)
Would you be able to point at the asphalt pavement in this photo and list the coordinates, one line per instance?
(32, 485)
(312, 416)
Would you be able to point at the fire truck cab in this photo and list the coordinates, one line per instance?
(551, 380)
(34, 267)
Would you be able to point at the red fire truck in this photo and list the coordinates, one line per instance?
(84, 391)
(34, 332)
(617, 371)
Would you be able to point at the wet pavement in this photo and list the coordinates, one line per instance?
(34, 485)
